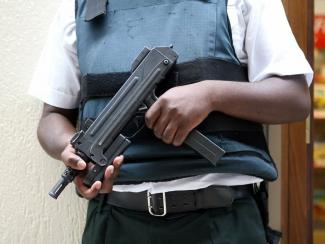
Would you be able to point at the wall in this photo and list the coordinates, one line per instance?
(27, 214)
(319, 6)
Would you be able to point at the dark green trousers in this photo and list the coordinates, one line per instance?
(239, 224)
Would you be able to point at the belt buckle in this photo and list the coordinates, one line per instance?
(151, 209)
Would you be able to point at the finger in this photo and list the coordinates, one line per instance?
(152, 115)
(71, 159)
(107, 185)
(88, 193)
(160, 126)
(70, 148)
(76, 162)
(111, 173)
(117, 165)
(169, 133)
(180, 137)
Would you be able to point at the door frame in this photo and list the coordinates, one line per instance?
(297, 162)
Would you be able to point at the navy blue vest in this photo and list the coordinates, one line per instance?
(111, 33)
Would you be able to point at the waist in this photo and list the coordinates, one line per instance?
(161, 204)
(190, 183)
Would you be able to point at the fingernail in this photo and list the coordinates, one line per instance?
(119, 161)
(81, 164)
(111, 170)
(98, 186)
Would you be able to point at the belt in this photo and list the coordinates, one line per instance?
(179, 201)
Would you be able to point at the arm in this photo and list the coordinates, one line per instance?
(55, 129)
(273, 100)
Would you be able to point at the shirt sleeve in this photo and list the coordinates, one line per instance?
(56, 77)
(270, 44)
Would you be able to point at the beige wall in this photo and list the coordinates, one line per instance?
(27, 214)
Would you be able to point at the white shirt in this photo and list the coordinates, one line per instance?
(262, 39)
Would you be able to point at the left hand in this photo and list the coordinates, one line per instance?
(105, 186)
(178, 111)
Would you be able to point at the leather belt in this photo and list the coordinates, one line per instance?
(179, 201)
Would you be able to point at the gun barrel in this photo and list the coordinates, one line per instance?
(67, 176)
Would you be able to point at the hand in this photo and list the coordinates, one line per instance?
(174, 115)
(72, 160)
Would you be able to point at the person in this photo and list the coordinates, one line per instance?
(221, 45)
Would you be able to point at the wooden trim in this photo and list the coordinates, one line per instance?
(296, 154)
(285, 184)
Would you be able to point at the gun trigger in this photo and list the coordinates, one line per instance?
(151, 99)
(143, 108)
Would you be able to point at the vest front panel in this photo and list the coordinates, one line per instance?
(197, 29)
(194, 28)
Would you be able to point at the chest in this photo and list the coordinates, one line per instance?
(108, 42)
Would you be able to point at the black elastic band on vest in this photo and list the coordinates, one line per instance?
(106, 85)
(95, 8)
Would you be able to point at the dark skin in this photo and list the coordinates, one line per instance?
(272, 101)
(55, 129)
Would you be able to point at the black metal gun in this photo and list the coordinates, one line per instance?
(102, 141)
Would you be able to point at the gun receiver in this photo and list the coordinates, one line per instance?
(102, 141)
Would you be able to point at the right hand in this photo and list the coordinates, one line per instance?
(72, 160)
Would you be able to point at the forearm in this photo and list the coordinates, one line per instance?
(54, 132)
(271, 101)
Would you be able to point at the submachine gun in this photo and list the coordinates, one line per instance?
(103, 141)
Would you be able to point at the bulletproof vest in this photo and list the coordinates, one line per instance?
(110, 34)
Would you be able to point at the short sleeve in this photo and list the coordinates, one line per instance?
(270, 44)
(56, 77)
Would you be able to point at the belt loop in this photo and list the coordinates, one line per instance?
(256, 187)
